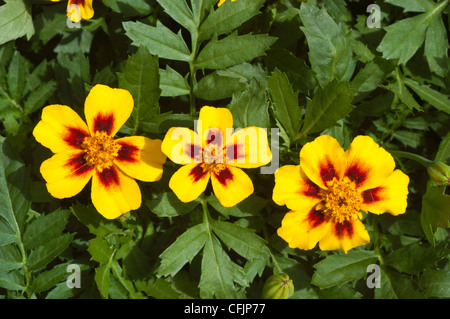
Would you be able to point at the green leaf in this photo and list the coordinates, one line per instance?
(159, 40)
(416, 257)
(201, 8)
(141, 78)
(241, 240)
(48, 279)
(435, 210)
(45, 228)
(129, 7)
(102, 276)
(248, 207)
(285, 103)
(100, 250)
(10, 258)
(232, 50)
(338, 269)
(168, 205)
(95, 222)
(439, 100)
(401, 91)
(44, 254)
(218, 272)
(328, 105)
(250, 107)
(215, 87)
(228, 17)
(405, 37)
(413, 5)
(180, 12)
(394, 285)
(39, 97)
(330, 52)
(15, 21)
(172, 83)
(183, 250)
(435, 283)
(436, 47)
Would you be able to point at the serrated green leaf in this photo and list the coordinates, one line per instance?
(330, 52)
(168, 205)
(232, 50)
(435, 210)
(97, 225)
(436, 47)
(12, 280)
(435, 283)
(10, 258)
(100, 251)
(250, 107)
(141, 78)
(39, 97)
(328, 105)
(394, 285)
(129, 7)
(439, 100)
(159, 40)
(183, 250)
(228, 17)
(48, 279)
(242, 240)
(201, 8)
(172, 83)
(15, 21)
(45, 228)
(102, 276)
(404, 38)
(413, 5)
(339, 269)
(248, 207)
(285, 103)
(180, 12)
(218, 272)
(215, 87)
(44, 254)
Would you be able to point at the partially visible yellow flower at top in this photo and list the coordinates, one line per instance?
(223, 1)
(328, 190)
(84, 151)
(79, 9)
(215, 151)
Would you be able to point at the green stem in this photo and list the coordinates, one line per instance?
(421, 160)
(193, 69)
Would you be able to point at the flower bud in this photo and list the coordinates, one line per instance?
(278, 287)
(439, 173)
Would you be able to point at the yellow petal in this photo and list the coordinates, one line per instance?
(214, 118)
(303, 229)
(294, 189)
(107, 109)
(248, 148)
(114, 193)
(391, 197)
(322, 160)
(182, 146)
(189, 182)
(141, 158)
(368, 164)
(79, 9)
(345, 236)
(66, 173)
(231, 185)
(60, 129)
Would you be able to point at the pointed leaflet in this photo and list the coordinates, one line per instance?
(436, 46)
(159, 40)
(413, 5)
(15, 21)
(141, 78)
(183, 250)
(338, 269)
(285, 103)
(330, 52)
(232, 50)
(218, 272)
(180, 12)
(228, 17)
(328, 105)
(437, 99)
(404, 38)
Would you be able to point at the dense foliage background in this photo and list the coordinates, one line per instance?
(306, 68)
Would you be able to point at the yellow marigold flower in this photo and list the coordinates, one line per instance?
(223, 1)
(84, 151)
(79, 9)
(215, 151)
(328, 190)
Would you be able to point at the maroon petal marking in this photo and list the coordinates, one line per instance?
(108, 177)
(198, 172)
(356, 174)
(312, 190)
(343, 229)
(77, 2)
(315, 218)
(224, 176)
(327, 172)
(214, 136)
(192, 150)
(235, 152)
(75, 136)
(372, 195)
(78, 165)
(127, 152)
(104, 123)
